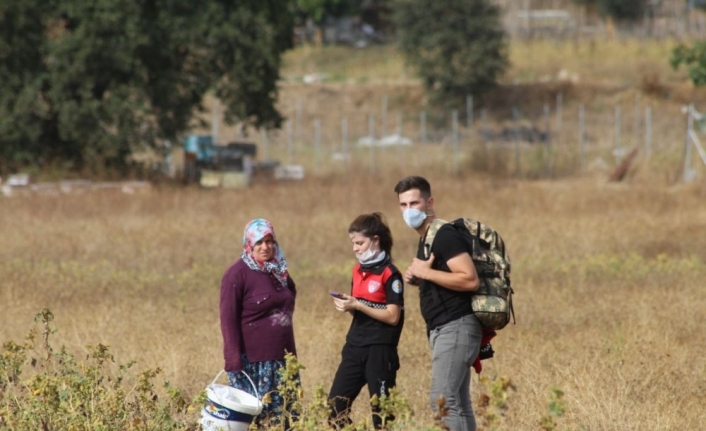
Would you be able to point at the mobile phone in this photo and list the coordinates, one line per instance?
(337, 295)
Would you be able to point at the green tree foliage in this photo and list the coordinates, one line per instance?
(457, 47)
(87, 82)
(693, 58)
(318, 9)
(621, 10)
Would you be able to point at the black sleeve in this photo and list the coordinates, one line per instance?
(394, 289)
(448, 244)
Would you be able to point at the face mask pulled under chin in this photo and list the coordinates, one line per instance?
(414, 217)
(370, 255)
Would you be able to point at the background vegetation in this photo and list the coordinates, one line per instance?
(455, 48)
(91, 86)
(623, 10)
(88, 84)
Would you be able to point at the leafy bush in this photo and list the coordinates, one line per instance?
(693, 58)
(493, 401)
(557, 408)
(44, 389)
(52, 390)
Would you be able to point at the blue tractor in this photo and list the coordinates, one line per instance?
(202, 154)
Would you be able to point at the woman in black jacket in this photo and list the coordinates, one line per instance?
(376, 302)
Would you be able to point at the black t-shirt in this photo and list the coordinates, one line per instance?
(365, 330)
(438, 304)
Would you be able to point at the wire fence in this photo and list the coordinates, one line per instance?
(693, 143)
(551, 142)
(565, 19)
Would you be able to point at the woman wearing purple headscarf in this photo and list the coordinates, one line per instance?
(257, 302)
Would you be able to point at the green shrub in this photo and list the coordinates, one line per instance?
(493, 401)
(693, 58)
(43, 389)
(557, 408)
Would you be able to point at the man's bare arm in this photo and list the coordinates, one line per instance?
(462, 278)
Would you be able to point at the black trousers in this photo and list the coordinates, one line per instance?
(374, 365)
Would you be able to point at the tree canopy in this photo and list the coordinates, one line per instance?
(457, 47)
(317, 10)
(85, 83)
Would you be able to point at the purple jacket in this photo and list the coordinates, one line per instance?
(256, 316)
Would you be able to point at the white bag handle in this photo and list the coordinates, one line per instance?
(257, 395)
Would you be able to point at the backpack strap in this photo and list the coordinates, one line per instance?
(512, 309)
(428, 241)
(431, 234)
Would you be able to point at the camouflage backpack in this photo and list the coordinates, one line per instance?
(492, 302)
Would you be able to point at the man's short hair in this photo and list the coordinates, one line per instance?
(414, 182)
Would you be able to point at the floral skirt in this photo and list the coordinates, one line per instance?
(265, 376)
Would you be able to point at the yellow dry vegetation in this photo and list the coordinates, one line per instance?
(608, 278)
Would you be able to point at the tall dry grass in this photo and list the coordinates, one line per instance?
(608, 283)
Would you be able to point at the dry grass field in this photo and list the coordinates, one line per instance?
(608, 276)
(608, 279)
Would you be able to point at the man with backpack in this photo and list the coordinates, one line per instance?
(447, 277)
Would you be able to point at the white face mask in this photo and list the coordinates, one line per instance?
(413, 217)
(368, 255)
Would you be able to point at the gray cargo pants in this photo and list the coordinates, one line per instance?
(455, 346)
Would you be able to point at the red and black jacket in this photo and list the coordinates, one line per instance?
(376, 286)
